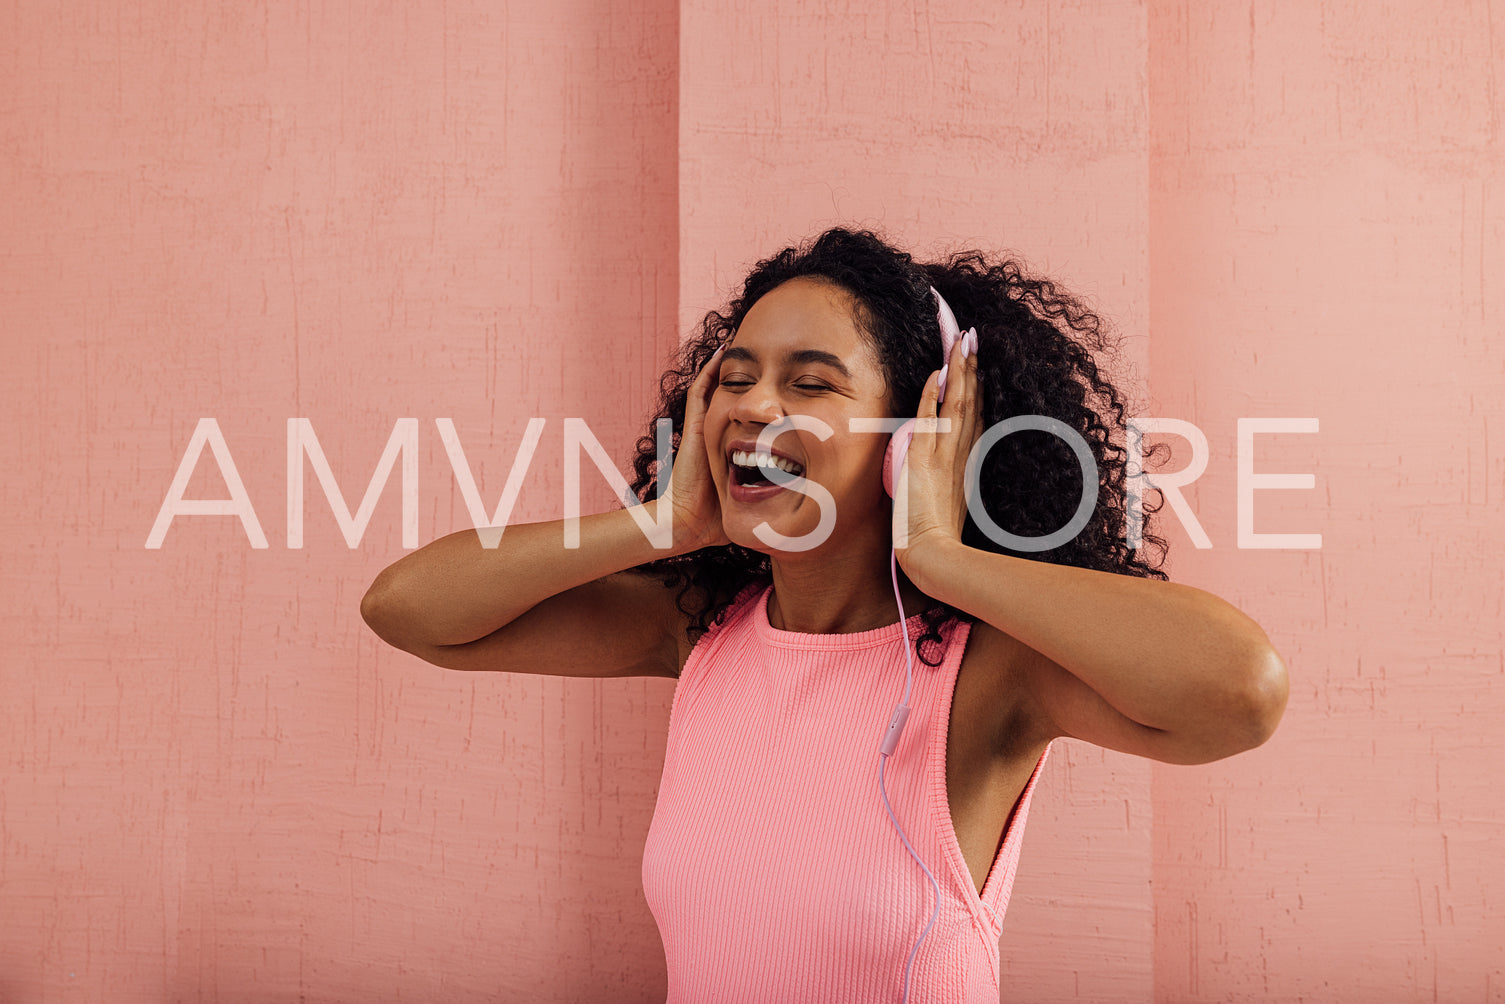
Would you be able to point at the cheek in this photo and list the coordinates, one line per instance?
(712, 432)
(715, 420)
(859, 465)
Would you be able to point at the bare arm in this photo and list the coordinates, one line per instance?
(1155, 669)
(531, 604)
(455, 590)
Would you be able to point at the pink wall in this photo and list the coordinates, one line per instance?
(219, 784)
(1327, 237)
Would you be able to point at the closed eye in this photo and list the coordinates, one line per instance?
(749, 383)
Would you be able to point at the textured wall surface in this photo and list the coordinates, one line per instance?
(1327, 239)
(217, 784)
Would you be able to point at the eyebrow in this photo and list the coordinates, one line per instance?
(795, 358)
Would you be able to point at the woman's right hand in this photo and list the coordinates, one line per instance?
(691, 490)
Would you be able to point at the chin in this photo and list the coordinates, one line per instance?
(741, 534)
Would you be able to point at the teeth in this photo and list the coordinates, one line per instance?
(743, 458)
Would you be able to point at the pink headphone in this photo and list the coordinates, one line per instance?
(893, 461)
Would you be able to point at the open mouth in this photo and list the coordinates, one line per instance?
(749, 468)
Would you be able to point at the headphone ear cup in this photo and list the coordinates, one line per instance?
(898, 446)
(893, 459)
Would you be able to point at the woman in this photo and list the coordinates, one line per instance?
(809, 843)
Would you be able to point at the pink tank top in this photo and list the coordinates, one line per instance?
(772, 867)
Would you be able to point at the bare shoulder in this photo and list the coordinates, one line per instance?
(1051, 701)
(1010, 712)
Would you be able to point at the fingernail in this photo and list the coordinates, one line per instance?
(965, 343)
(972, 337)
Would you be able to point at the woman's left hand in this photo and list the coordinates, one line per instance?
(934, 509)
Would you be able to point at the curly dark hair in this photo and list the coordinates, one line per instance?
(1035, 357)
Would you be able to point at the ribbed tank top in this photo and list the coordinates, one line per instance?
(772, 867)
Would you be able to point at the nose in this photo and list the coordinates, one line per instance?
(757, 405)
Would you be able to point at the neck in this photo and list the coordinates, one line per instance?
(839, 595)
